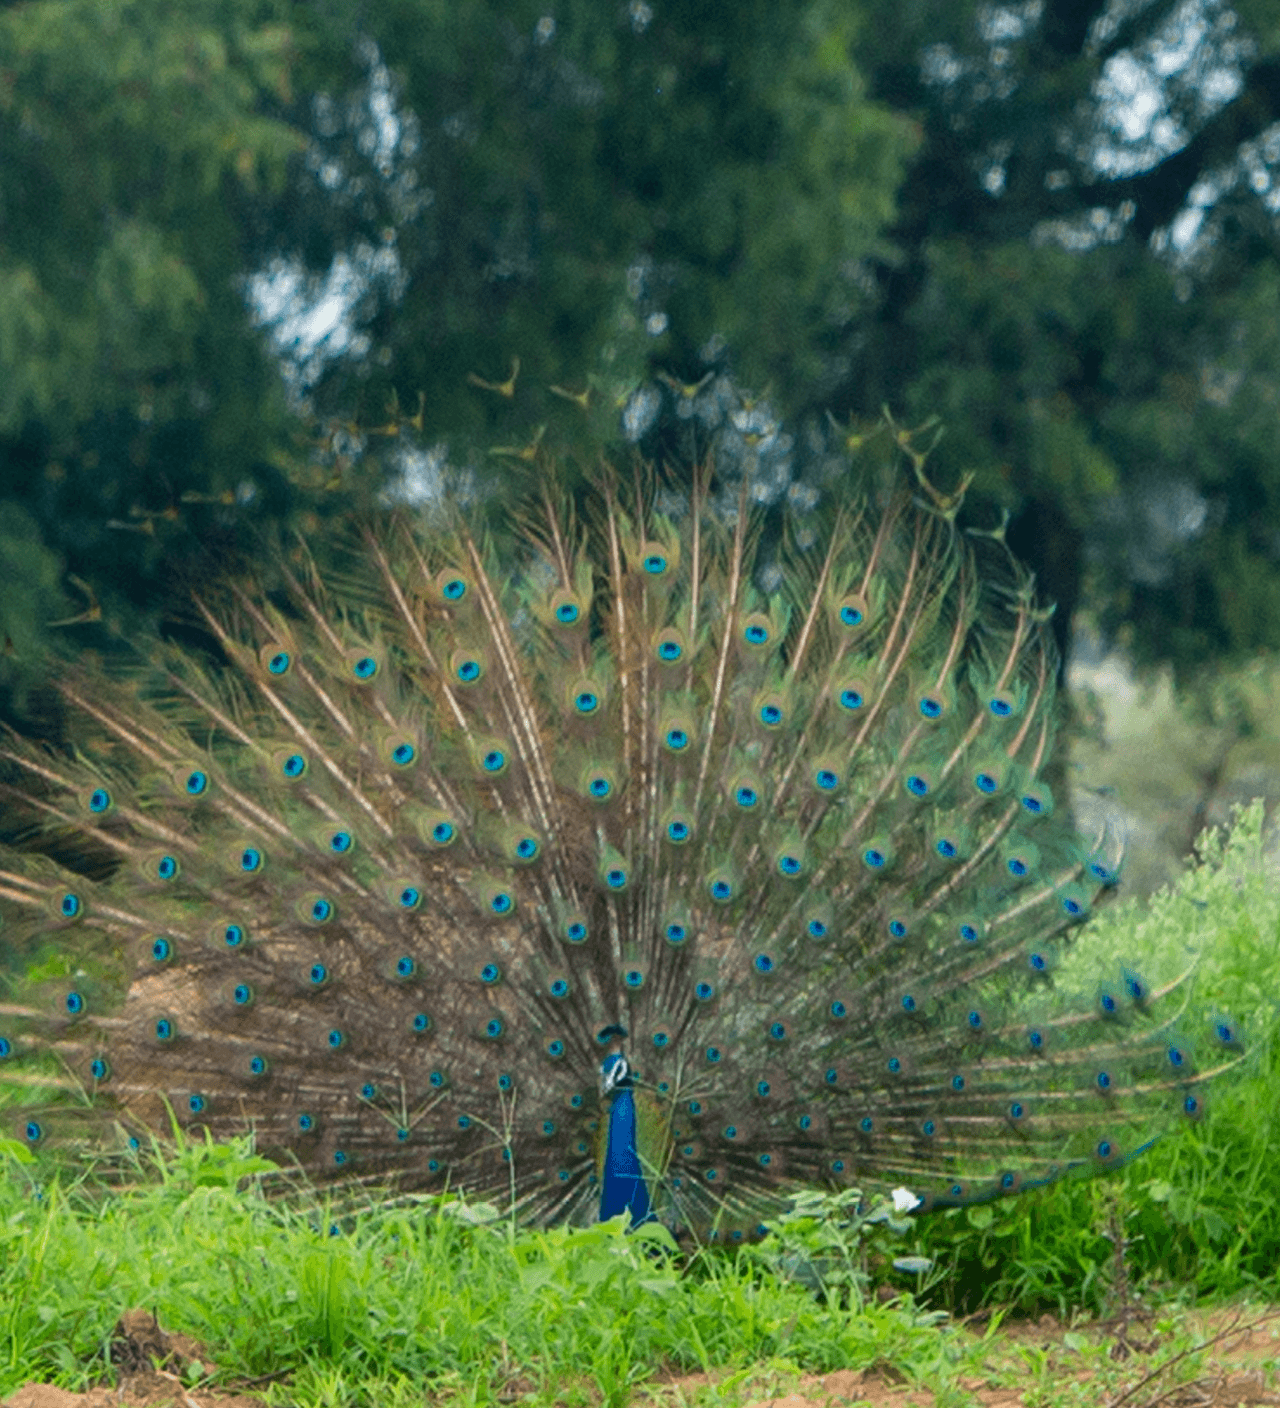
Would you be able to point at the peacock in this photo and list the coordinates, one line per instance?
(645, 860)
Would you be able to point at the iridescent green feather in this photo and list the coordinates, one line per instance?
(384, 879)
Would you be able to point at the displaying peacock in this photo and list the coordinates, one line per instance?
(618, 871)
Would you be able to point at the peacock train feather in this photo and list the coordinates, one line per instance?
(592, 875)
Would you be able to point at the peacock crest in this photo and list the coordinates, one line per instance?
(603, 872)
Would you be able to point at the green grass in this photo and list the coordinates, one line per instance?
(1201, 1210)
(372, 1303)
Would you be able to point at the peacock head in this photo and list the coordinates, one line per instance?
(615, 1071)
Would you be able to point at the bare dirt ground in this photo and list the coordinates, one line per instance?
(1211, 1359)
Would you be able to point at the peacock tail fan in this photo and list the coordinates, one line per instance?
(611, 870)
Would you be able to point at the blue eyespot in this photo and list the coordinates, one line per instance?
(586, 701)
(341, 842)
(99, 800)
(494, 760)
(403, 754)
(294, 765)
(278, 664)
(567, 613)
(251, 859)
(365, 667)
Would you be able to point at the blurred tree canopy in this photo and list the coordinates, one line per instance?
(227, 223)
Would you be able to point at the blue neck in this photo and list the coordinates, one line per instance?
(623, 1188)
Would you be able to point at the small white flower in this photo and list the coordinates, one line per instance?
(904, 1200)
